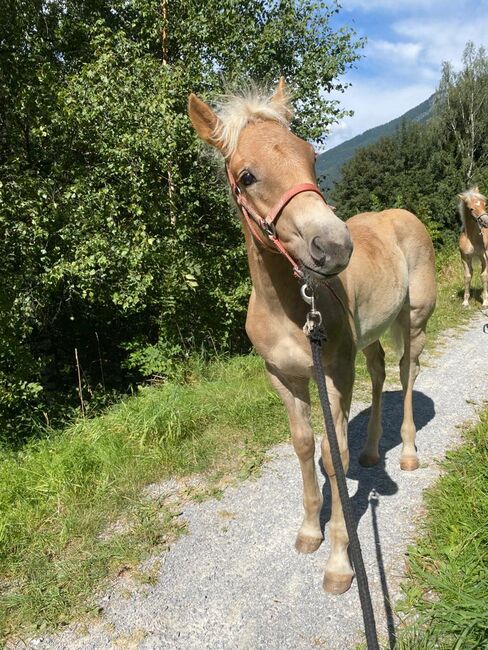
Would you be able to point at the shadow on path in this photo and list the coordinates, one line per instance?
(374, 482)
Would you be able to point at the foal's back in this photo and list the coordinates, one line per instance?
(391, 269)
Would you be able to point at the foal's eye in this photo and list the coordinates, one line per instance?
(247, 179)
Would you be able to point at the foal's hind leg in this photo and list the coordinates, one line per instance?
(375, 361)
(296, 398)
(413, 323)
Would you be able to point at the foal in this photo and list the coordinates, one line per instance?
(473, 240)
(380, 273)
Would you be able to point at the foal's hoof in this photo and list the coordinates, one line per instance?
(409, 463)
(304, 544)
(368, 460)
(336, 584)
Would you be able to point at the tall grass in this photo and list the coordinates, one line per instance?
(447, 587)
(60, 495)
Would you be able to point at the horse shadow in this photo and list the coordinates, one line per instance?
(375, 481)
(377, 478)
(476, 294)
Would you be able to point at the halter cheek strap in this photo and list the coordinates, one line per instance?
(267, 224)
(478, 219)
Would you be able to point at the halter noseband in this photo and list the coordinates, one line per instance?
(478, 219)
(267, 224)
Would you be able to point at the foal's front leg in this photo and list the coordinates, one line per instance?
(338, 571)
(296, 398)
(468, 274)
(375, 360)
(484, 279)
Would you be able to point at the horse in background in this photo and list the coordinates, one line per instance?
(473, 240)
(372, 273)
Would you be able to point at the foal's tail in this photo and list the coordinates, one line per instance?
(397, 338)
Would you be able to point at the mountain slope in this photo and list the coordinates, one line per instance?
(330, 162)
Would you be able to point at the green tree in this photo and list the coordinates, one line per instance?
(423, 166)
(462, 103)
(408, 170)
(118, 238)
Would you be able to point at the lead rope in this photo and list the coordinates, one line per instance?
(316, 333)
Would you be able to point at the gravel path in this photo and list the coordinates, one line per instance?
(235, 581)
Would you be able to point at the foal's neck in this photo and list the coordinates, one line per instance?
(470, 225)
(271, 275)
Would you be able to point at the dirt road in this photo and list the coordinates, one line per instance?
(235, 581)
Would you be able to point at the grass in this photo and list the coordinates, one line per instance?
(59, 496)
(447, 589)
(449, 312)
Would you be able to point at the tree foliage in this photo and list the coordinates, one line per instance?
(462, 108)
(118, 238)
(423, 166)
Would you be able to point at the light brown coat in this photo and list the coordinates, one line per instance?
(380, 265)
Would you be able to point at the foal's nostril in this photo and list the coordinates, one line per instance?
(317, 250)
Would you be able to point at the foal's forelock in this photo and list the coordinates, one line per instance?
(237, 111)
(472, 195)
(467, 196)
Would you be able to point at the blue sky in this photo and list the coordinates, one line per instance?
(407, 42)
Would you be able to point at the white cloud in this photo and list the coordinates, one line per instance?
(393, 5)
(443, 39)
(404, 52)
(373, 104)
(402, 67)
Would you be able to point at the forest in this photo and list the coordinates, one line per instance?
(425, 165)
(122, 259)
(121, 255)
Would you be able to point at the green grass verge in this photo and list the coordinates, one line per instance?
(59, 495)
(449, 312)
(447, 588)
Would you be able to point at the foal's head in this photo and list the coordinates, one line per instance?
(266, 159)
(475, 203)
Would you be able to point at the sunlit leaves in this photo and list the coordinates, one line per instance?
(117, 231)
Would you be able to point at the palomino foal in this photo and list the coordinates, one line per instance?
(473, 240)
(380, 268)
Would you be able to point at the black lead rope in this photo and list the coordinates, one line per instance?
(316, 334)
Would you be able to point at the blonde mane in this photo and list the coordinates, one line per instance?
(237, 111)
(472, 194)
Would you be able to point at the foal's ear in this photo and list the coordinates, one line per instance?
(204, 120)
(281, 100)
(280, 95)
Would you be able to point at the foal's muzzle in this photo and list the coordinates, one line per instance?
(329, 256)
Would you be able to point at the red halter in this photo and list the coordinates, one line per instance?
(267, 224)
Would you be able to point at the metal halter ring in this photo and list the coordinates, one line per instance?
(308, 298)
(268, 228)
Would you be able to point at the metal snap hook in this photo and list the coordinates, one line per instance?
(309, 298)
(314, 317)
